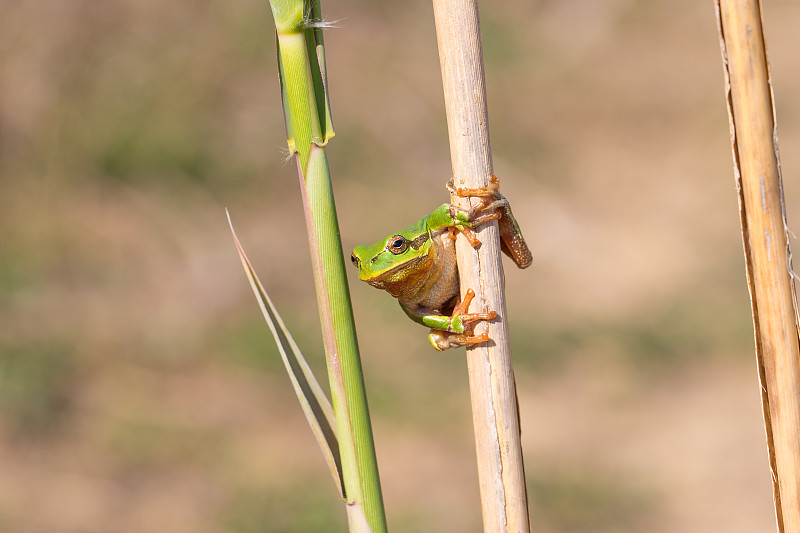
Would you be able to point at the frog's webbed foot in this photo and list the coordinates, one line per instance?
(490, 192)
(491, 205)
(442, 340)
(460, 332)
(490, 208)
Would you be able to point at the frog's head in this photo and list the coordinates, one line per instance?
(395, 260)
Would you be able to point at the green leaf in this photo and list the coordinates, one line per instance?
(315, 404)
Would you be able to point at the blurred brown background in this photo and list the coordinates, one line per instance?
(140, 390)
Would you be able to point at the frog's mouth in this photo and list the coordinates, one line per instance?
(398, 280)
(397, 273)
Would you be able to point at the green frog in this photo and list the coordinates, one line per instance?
(418, 264)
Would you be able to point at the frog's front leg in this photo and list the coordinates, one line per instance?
(454, 330)
(493, 206)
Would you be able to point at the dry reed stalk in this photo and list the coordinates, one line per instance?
(491, 378)
(766, 244)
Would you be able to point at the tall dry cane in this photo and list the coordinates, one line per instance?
(751, 112)
(491, 377)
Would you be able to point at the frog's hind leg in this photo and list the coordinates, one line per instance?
(461, 328)
(460, 310)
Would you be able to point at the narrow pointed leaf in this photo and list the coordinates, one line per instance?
(315, 404)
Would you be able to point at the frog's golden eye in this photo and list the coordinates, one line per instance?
(354, 259)
(397, 244)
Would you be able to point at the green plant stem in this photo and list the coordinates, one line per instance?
(359, 463)
(308, 126)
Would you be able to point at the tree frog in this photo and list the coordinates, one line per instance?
(418, 264)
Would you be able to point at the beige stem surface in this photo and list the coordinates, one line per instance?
(494, 402)
(766, 245)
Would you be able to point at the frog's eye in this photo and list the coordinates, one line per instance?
(354, 259)
(397, 244)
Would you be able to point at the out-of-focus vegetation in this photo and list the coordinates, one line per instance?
(139, 390)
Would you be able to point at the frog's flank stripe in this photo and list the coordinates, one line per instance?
(419, 241)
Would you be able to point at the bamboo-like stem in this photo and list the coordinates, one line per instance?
(494, 401)
(303, 84)
(766, 245)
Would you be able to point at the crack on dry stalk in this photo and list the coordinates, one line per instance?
(495, 433)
